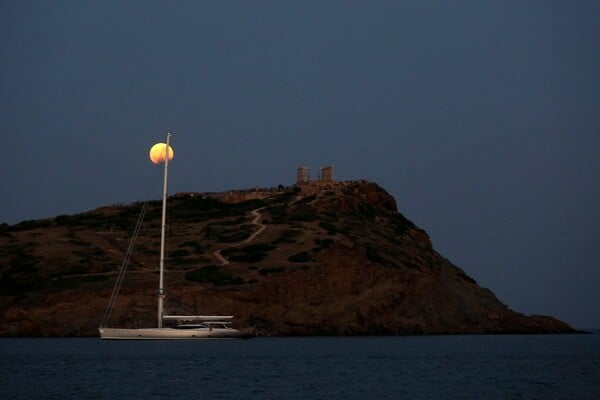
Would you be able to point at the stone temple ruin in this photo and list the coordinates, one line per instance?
(325, 175)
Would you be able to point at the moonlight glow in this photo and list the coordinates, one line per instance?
(158, 151)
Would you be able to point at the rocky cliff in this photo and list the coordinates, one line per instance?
(336, 259)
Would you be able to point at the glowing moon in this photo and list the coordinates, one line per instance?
(158, 152)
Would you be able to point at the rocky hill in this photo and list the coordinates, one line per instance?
(328, 259)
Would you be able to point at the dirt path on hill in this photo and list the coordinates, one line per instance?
(261, 227)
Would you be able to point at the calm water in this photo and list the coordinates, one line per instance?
(439, 367)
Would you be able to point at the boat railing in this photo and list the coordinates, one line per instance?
(203, 318)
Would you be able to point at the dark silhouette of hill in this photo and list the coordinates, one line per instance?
(330, 259)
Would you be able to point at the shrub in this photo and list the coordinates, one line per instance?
(368, 210)
(465, 277)
(373, 255)
(237, 235)
(18, 284)
(4, 229)
(322, 244)
(251, 253)
(278, 214)
(267, 271)
(304, 214)
(74, 281)
(179, 253)
(192, 243)
(258, 247)
(227, 235)
(301, 257)
(30, 224)
(307, 199)
(247, 257)
(22, 261)
(213, 274)
(62, 219)
(329, 227)
(400, 223)
(288, 236)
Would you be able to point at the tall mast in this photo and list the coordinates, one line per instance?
(161, 289)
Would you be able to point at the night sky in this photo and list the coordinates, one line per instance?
(482, 118)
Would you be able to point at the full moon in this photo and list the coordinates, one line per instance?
(158, 152)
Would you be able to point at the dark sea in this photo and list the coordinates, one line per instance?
(418, 367)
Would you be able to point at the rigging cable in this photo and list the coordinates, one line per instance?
(124, 264)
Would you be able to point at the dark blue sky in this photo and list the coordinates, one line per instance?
(482, 118)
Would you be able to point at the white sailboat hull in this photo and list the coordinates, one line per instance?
(171, 333)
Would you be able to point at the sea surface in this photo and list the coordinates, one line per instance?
(418, 367)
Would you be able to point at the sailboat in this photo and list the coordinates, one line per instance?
(180, 326)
